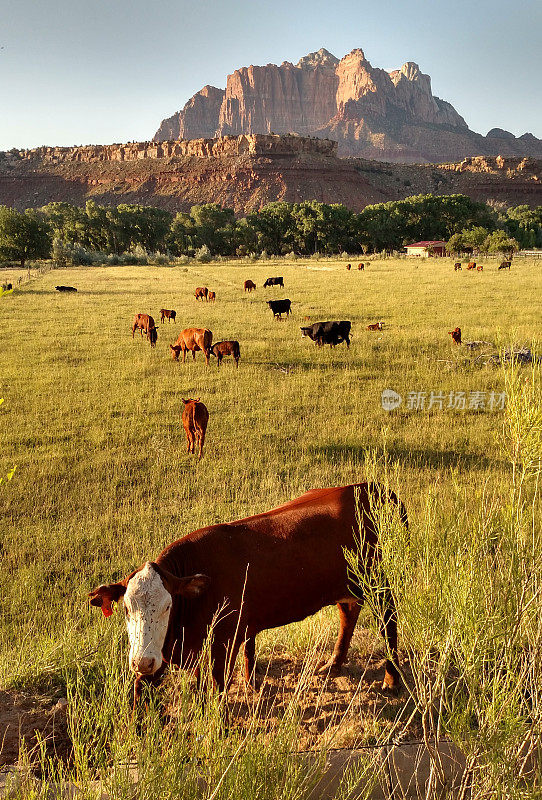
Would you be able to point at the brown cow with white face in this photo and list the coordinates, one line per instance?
(267, 570)
(192, 339)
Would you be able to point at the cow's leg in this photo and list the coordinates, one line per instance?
(250, 662)
(218, 360)
(207, 353)
(348, 616)
(184, 354)
(388, 625)
(201, 440)
(193, 355)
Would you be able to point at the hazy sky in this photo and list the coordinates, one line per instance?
(103, 71)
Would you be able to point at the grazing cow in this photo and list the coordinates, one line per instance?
(349, 266)
(195, 418)
(65, 288)
(457, 265)
(274, 282)
(226, 348)
(146, 325)
(201, 293)
(240, 578)
(279, 307)
(169, 315)
(7, 287)
(331, 333)
(250, 286)
(376, 326)
(192, 339)
(505, 265)
(479, 268)
(471, 265)
(456, 335)
(211, 297)
(361, 266)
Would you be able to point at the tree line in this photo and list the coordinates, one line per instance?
(70, 233)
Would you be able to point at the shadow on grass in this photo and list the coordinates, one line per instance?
(406, 457)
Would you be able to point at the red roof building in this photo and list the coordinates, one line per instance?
(429, 248)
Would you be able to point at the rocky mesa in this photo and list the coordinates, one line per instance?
(371, 113)
(246, 172)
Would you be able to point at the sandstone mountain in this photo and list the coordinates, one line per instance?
(371, 113)
(246, 172)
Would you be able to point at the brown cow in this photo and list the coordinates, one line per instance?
(192, 339)
(479, 268)
(270, 570)
(349, 266)
(471, 265)
(456, 335)
(146, 325)
(361, 266)
(211, 297)
(226, 348)
(165, 314)
(505, 265)
(377, 326)
(201, 293)
(249, 286)
(195, 418)
(457, 265)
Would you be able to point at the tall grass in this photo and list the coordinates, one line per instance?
(468, 591)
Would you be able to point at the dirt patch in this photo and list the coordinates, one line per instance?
(31, 718)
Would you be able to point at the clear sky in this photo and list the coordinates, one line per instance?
(102, 71)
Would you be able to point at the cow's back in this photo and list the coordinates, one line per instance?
(286, 563)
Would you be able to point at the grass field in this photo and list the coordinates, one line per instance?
(91, 419)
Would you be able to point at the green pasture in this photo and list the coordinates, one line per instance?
(91, 419)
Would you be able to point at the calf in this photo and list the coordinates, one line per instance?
(279, 307)
(250, 286)
(201, 293)
(195, 418)
(65, 288)
(146, 325)
(169, 315)
(376, 326)
(192, 339)
(505, 265)
(332, 333)
(226, 348)
(211, 297)
(457, 265)
(274, 282)
(456, 335)
(361, 266)
(267, 570)
(471, 265)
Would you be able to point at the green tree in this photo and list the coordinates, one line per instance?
(23, 235)
(500, 242)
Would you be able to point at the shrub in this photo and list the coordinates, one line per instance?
(203, 254)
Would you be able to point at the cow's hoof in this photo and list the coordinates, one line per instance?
(331, 669)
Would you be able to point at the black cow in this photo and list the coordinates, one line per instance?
(331, 333)
(7, 287)
(274, 282)
(505, 265)
(65, 288)
(279, 307)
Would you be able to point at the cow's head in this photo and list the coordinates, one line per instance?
(148, 597)
(306, 331)
(175, 350)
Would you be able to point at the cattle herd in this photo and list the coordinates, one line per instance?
(253, 563)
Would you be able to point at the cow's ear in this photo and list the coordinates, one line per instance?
(190, 586)
(104, 596)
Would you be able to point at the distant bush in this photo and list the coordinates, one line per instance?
(181, 260)
(203, 254)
